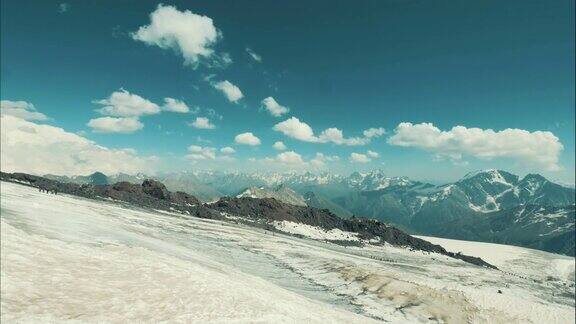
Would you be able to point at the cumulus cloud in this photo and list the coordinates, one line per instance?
(206, 153)
(279, 146)
(538, 148)
(372, 154)
(294, 128)
(374, 132)
(230, 91)
(201, 153)
(299, 130)
(124, 125)
(294, 161)
(290, 157)
(175, 105)
(336, 136)
(125, 104)
(21, 109)
(273, 107)
(227, 150)
(57, 151)
(189, 34)
(320, 159)
(123, 110)
(247, 139)
(202, 123)
(253, 55)
(359, 158)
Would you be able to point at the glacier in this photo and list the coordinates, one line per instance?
(68, 259)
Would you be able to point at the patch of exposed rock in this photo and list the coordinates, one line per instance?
(274, 210)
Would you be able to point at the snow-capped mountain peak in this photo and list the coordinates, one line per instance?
(281, 192)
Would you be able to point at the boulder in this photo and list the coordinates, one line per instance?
(155, 189)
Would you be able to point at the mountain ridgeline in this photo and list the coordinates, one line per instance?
(261, 212)
(491, 205)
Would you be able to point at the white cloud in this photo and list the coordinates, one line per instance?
(247, 139)
(320, 159)
(290, 157)
(202, 123)
(299, 130)
(318, 162)
(273, 107)
(185, 32)
(42, 149)
(374, 132)
(21, 109)
(227, 150)
(232, 92)
(538, 148)
(175, 105)
(253, 55)
(359, 158)
(336, 136)
(279, 146)
(294, 128)
(201, 153)
(115, 125)
(125, 104)
(295, 161)
(206, 153)
(372, 154)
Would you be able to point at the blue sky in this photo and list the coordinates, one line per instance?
(490, 65)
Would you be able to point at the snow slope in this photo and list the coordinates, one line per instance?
(315, 232)
(70, 259)
(535, 263)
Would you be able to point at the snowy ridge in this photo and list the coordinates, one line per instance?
(315, 232)
(281, 193)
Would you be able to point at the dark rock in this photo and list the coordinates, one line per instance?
(155, 189)
(180, 197)
(273, 210)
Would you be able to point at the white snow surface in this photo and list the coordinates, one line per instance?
(519, 260)
(67, 259)
(314, 232)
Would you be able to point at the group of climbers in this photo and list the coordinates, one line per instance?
(50, 191)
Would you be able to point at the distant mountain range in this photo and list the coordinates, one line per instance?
(489, 205)
(281, 192)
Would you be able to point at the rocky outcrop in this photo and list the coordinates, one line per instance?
(273, 210)
(155, 189)
(149, 194)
